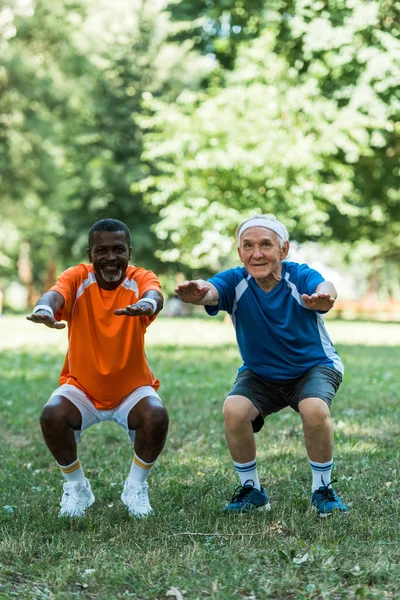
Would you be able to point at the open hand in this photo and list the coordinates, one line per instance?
(42, 316)
(140, 309)
(191, 291)
(322, 302)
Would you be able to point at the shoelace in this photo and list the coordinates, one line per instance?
(242, 491)
(327, 491)
(138, 495)
(70, 498)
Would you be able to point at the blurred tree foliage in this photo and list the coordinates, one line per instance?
(105, 153)
(183, 118)
(305, 125)
(37, 76)
(217, 27)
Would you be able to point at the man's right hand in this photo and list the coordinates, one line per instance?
(192, 292)
(42, 316)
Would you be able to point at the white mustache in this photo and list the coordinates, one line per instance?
(111, 277)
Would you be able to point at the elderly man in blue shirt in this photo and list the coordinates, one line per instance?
(276, 308)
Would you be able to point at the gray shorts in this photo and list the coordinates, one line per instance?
(272, 396)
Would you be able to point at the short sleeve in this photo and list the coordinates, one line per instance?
(225, 285)
(67, 285)
(309, 279)
(147, 281)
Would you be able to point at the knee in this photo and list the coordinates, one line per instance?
(52, 417)
(236, 412)
(157, 420)
(315, 413)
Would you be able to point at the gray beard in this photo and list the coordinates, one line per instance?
(111, 278)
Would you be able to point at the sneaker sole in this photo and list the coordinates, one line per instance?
(324, 515)
(140, 516)
(265, 507)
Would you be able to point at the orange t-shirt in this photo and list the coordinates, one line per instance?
(106, 357)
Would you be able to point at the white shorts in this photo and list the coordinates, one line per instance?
(91, 415)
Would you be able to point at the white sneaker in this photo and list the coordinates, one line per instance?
(136, 498)
(77, 497)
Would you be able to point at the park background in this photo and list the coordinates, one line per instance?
(182, 119)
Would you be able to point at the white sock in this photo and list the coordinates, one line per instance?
(73, 472)
(321, 474)
(248, 471)
(140, 471)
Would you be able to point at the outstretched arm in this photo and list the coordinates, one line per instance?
(149, 304)
(323, 298)
(198, 292)
(46, 307)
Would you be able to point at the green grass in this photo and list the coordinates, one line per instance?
(189, 549)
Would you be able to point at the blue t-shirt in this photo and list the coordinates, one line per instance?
(278, 337)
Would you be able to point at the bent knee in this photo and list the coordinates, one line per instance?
(314, 411)
(238, 410)
(157, 419)
(58, 413)
(52, 415)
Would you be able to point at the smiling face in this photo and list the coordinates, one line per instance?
(261, 254)
(110, 253)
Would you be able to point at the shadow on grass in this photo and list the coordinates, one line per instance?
(195, 474)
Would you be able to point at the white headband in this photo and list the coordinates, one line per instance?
(274, 225)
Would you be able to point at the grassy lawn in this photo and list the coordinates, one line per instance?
(189, 550)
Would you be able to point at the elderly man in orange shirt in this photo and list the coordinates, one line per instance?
(108, 305)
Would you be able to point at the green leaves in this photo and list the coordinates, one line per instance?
(302, 126)
(185, 121)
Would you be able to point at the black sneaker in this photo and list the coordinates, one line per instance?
(246, 498)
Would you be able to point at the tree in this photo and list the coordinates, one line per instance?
(304, 126)
(39, 61)
(217, 28)
(71, 91)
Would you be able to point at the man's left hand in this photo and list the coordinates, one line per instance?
(322, 302)
(140, 309)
